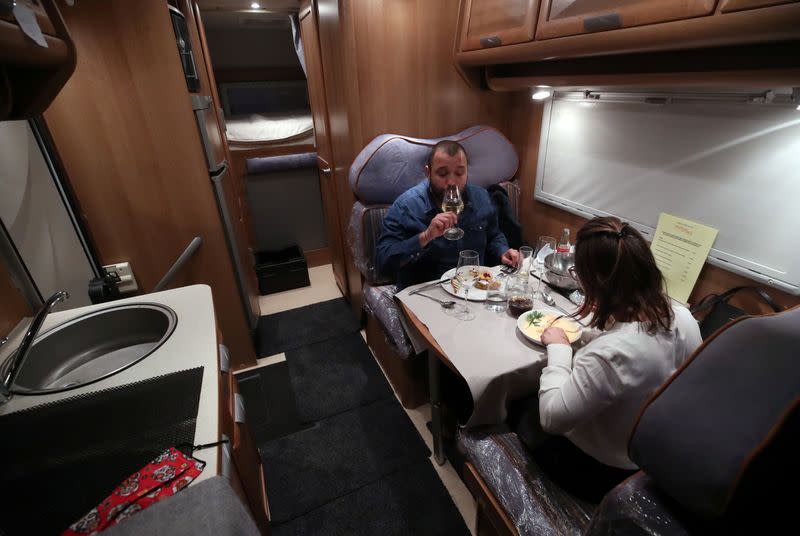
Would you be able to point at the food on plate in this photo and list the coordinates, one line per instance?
(537, 321)
(486, 276)
(480, 284)
(494, 285)
(473, 272)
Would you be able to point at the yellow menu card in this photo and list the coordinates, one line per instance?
(681, 248)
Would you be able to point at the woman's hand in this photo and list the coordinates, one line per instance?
(510, 257)
(439, 224)
(554, 336)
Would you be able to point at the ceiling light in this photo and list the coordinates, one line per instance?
(542, 94)
(255, 5)
(798, 107)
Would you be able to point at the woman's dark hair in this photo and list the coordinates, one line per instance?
(619, 276)
(448, 147)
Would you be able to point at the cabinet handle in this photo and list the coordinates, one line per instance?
(491, 41)
(601, 23)
(238, 409)
(326, 171)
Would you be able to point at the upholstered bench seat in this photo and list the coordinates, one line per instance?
(379, 302)
(533, 503)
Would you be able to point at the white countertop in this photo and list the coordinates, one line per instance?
(192, 344)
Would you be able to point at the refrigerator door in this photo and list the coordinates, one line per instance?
(203, 107)
(217, 179)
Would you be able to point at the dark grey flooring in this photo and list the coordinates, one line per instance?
(344, 458)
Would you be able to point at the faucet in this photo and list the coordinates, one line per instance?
(18, 357)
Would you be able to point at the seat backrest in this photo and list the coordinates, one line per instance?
(724, 426)
(391, 164)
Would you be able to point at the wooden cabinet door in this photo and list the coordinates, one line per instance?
(726, 6)
(319, 112)
(492, 23)
(559, 18)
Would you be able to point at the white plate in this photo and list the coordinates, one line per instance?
(475, 294)
(573, 334)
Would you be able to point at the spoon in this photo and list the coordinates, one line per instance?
(549, 300)
(445, 304)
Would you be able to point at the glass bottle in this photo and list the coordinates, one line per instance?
(563, 245)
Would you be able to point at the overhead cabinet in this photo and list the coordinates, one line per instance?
(496, 32)
(492, 23)
(574, 17)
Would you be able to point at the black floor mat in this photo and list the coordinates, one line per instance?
(337, 456)
(269, 401)
(409, 501)
(335, 375)
(59, 460)
(306, 325)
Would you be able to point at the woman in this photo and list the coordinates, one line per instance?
(593, 398)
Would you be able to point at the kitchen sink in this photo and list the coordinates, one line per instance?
(92, 347)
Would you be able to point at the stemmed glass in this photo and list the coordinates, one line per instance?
(544, 244)
(452, 202)
(468, 263)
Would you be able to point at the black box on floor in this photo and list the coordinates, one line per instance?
(281, 270)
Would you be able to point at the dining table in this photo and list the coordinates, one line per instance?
(495, 360)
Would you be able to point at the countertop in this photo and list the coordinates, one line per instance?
(192, 344)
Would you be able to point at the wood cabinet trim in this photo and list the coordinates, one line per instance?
(777, 23)
(728, 6)
(520, 33)
(630, 16)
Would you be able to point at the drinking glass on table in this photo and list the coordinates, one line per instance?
(452, 202)
(468, 263)
(544, 246)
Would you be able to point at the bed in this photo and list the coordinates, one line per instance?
(266, 113)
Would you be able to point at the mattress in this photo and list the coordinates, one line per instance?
(267, 128)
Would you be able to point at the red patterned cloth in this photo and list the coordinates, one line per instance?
(163, 477)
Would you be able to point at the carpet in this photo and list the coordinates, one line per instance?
(355, 464)
(335, 375)
(305, 470)
(409, 501)
(294, 328)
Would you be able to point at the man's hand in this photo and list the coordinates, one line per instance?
(554, 336)
(440, 223)
(510, 257)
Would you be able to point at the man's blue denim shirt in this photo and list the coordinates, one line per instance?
(400, 254)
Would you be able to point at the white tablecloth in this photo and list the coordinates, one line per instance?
(497, 362)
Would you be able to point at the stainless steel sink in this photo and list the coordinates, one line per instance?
(92, 347)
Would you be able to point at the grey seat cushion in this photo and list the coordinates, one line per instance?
(535, 504)
(719, 421)
(379, 302)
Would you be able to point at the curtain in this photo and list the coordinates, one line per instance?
(298, 43)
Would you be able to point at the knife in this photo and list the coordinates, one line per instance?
(428, 285)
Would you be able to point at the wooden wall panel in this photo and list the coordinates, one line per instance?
(125, 132)
(13, 306)
(388, 68)
(542, 219)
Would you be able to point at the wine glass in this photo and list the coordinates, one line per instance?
(452, 202)
(545, 246)
(468, 263)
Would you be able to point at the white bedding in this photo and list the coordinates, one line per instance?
(258, 127)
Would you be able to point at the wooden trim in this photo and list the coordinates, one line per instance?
(525, 31)
(318, 257)
(778, 23)
(260, 74)
(488, 506)
(277, 150)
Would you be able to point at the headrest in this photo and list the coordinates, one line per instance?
(268, 164)
(391, 164)
(717, 425)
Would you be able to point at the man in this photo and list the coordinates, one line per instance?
(412, 247)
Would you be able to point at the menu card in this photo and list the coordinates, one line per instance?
(681, 248)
